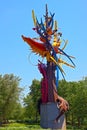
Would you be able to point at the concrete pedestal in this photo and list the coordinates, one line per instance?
(48, 113)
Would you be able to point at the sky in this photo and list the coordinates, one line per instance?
(16, 20)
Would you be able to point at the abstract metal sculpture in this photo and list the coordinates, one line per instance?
(48, 46)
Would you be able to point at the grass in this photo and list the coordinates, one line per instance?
(22, 126)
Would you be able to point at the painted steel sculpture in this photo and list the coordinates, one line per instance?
(48, 46)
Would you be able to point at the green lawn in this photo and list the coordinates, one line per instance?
(21, 126)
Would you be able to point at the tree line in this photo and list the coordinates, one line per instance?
(11, 108)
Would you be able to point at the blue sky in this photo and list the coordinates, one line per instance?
(16, 19)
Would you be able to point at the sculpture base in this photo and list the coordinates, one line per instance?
(48, 112)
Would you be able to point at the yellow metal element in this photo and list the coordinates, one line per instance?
(63, 62)
(65, 44)
(56, 41)
(57, 64)
(34, 18)
(55, 25)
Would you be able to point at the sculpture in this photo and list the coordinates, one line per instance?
(48, 46)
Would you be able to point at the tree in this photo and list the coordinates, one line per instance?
(81, 102)
(35, 91)
(30, 110)
(18, 113)
(76, 95)
(31, 100)
(9, 95)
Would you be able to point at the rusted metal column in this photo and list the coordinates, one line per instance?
(51, 81)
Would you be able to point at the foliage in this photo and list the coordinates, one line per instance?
(29, 108)
(31, 100)
(76, 95)
(9, 96)
(35, 90)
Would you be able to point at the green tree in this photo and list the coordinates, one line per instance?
(30, 111)
(31, 100)
(9, 95)
(76, 95)
(18, 113)
(81, 102)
